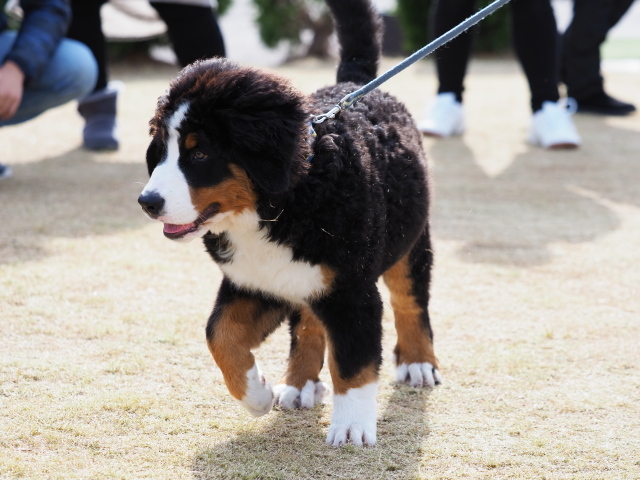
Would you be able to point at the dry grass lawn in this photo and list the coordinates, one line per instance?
(104, 371)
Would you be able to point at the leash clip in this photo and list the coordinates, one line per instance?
(325, 116)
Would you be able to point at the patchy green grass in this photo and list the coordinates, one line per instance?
(104, 372)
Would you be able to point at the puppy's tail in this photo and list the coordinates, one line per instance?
(359, 30)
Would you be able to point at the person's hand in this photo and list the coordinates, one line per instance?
(11, 88)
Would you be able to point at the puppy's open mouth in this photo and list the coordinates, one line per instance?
(174, 232)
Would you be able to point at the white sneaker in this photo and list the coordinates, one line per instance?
(445, 117)
(552, 126)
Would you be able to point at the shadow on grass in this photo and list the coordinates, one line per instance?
(541, 198)
(69, 196)
(292, 446)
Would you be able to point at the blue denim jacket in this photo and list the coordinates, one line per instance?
(43, 26)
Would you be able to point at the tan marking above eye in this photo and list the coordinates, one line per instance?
(191, 141)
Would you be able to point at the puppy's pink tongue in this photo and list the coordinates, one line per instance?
(170, 228)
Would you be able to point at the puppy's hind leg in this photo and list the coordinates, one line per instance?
(301, 387)
(408, 282)
(239, 323)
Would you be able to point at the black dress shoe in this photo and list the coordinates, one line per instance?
(603, 104)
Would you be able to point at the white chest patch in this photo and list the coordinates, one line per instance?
(259, 264)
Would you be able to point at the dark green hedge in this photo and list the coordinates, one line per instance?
(492, 34)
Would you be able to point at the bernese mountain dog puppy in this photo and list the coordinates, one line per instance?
(302, 225)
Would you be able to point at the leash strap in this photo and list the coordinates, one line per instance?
(352, 98)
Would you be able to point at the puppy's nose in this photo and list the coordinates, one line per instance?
(152, 203)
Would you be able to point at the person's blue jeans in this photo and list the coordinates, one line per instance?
(71, 73)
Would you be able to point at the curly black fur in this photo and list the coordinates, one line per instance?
(358, 206)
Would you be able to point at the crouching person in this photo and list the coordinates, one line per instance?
(39, 68)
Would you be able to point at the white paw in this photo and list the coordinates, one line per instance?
(259, 398)
(418, 374)
(289, 397)
(354, 417)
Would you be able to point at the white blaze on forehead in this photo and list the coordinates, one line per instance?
(168, 181)
(174, 122)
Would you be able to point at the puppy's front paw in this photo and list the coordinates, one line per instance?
(357, 433)
(288, 397)
(418, 375)
(259, 398)
(354, 417)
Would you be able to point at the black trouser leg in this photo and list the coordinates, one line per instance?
(86, 27)
(592, 20)
(193, 31)
(535, 38)
(452, 59)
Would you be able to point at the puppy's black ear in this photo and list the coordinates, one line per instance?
(270, 178)
(257, 118)
(270, 148)
(270, 172)
(154, 154)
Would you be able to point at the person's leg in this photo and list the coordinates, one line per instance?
(452, 58)
(98, 109)
(70, 74)
(581, 48)
(617, 9)
(535, 38)
(86, 27)
(446, 115)
(193, 31)
(580, 71)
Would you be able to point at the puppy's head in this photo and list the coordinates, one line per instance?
(222, 135)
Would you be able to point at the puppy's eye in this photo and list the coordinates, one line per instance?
(200, 156)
